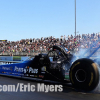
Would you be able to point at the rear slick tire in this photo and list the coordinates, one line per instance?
(84, 74)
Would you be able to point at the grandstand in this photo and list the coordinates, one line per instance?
(27, 47)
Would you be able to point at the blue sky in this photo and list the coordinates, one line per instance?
(21, 19)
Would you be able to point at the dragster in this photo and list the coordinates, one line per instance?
(57, 65)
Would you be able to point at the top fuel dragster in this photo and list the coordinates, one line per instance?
(57, 64)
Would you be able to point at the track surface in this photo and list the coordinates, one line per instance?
(68, 92)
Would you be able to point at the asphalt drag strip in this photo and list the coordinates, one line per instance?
(68, 93)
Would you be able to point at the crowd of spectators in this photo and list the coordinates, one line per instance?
(27, 46)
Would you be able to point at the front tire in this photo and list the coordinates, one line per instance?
(84, 74)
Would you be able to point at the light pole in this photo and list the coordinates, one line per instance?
(75, 18)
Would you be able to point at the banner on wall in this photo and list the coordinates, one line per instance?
(16, 58)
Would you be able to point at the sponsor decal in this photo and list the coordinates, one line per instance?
(41, 58)
(75, 65)
(18, 69)
(94, 64)
(58, 62)
(41, 76)
(91, 79)
(5, 68)
(43, 68)
(32, 75)
(67, 75)
(35, 76)
(26, 75)
(31, 70)
(21, 74)
(26, 70)
(16, 58)
(71, 77)
(43, 72)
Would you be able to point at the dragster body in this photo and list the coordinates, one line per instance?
(57, 64)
